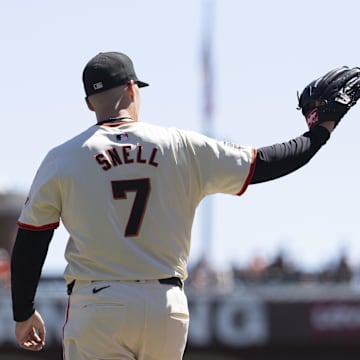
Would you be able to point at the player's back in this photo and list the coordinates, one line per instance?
(129, 194)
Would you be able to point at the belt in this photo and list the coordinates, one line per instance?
(175, 281)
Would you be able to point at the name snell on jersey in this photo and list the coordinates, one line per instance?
(126, 154)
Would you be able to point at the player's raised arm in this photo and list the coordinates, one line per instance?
(323, 102)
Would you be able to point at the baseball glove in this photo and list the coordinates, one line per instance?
(330, 96)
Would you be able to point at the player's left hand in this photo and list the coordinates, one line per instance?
(30, 333)
(329, 97)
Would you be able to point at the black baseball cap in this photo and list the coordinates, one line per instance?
(107, 70)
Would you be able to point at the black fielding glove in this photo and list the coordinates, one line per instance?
(330, 97)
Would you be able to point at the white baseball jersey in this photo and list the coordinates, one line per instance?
(127, 195)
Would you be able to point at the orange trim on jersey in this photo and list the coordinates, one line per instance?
(38, 228)
(251, 172)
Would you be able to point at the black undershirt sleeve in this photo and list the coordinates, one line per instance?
(278, 160)
(27, 259)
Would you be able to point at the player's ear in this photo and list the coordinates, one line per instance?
(131, 89)
(89, 104)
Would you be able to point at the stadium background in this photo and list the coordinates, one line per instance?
(258, 308)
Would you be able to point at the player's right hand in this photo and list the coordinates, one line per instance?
(30, 333)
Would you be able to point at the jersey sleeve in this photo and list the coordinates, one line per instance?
(221, 167)
(42, 207)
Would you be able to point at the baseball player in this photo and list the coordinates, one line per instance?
(127, 191)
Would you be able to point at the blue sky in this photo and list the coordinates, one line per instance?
(263, 53)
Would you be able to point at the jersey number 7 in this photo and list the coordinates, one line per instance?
(142, 188)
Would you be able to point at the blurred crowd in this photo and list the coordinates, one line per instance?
(280, 270)
(259, 271)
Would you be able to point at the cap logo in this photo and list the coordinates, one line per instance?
(97, 86)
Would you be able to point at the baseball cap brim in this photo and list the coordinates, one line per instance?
(141, 84)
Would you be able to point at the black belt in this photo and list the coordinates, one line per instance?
(172, 281)
(175, 281)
